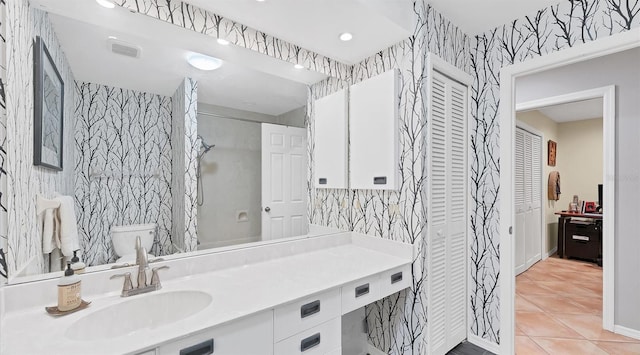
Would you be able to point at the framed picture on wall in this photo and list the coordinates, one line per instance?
(551, 153)
(48, 109)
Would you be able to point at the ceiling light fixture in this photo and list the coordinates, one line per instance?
(112, 37)
(204, 62)
(106, 3)
(260, 0)
(223, 41)
(299, 66)
(346, 36)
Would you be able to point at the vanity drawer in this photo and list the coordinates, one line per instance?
(306, 313)
(360, 293)
(323, 339)
(247, 336)
(395, 280)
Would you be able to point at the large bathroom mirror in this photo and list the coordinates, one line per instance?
(138, 159)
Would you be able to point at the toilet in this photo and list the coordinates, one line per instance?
(124, 240)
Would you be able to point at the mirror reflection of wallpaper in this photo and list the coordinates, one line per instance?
(123, 166)
(3, 142)
(185, 143)
(24, 180)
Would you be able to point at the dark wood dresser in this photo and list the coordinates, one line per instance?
(581, 238)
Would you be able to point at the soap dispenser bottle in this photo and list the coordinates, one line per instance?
(69, 297)
(77, 265)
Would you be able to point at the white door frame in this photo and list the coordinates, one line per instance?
(602, 47)
(543, 222)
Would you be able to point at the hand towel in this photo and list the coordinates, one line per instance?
(553, 192)
(68, 227)
(50, 236)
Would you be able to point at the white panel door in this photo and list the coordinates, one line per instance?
(528, 194)
(447, 196)
(284, 169)
(330, 141)
(373, 133)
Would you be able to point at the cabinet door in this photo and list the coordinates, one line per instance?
(330, 141)
(247, 336)
(373, 133)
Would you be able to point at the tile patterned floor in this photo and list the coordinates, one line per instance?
(559, 311)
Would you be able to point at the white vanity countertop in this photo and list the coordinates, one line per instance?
(236, 292)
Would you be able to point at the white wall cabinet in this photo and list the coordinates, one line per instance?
(373, 133)
(331, 141)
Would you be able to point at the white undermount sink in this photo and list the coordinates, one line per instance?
(137, 313)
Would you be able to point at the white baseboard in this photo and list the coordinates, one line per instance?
(551, 252)
(628, 332)
(484, 343)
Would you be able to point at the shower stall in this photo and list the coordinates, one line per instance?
(229, 181)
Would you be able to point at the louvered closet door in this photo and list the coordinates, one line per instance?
(528, 191)
(520, 201)
(534, 216)
(447, 191)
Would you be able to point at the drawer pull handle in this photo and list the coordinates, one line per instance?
(309, 309)
(204, 348)
(580, 238)
(362, 290)
(397, 277)
(322, 181)
(310, 342)
(380, 180)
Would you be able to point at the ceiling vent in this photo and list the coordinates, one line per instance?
(124, 48)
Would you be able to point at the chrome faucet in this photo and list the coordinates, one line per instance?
(142, 260)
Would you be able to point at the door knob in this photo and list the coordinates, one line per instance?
(267, 209)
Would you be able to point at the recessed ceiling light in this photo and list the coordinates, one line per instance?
(346, 36)
(223, 41)
(299, 66)
(204, 62)
(106, 3)
(260, 0)
(112, 37)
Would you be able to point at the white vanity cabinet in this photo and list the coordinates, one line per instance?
(373, 133)
(251, 335)
(291, 302)
(309, 326)
(330, 141)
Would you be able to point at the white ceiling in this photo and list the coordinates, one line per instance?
(477, 16)
(574, 111)
(315, 25)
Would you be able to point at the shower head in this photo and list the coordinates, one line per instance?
(204, 146)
